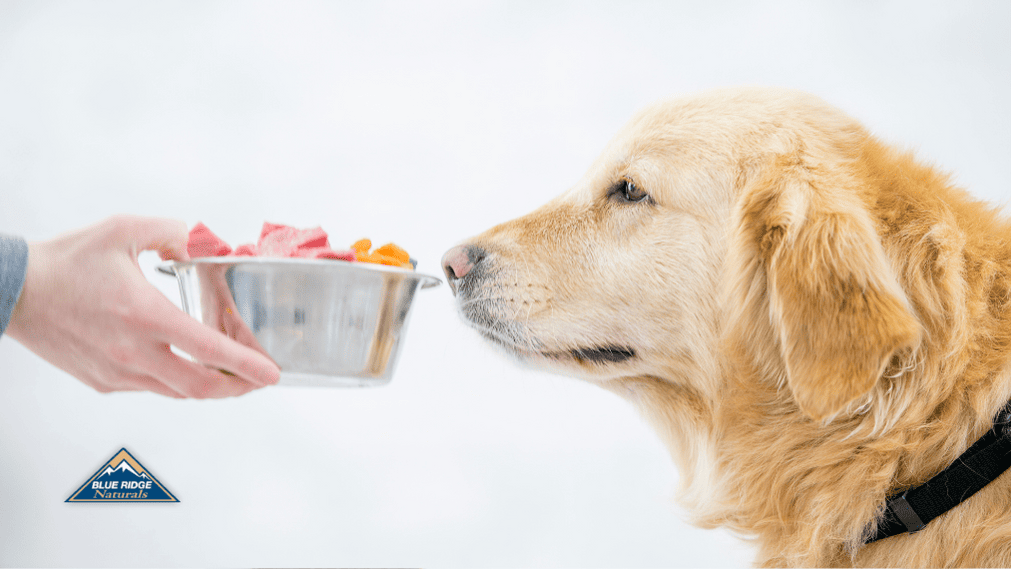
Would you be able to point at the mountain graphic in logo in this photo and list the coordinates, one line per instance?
(122, 479)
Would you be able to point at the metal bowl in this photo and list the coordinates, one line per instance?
(325, 322)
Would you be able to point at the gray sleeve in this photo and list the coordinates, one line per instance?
(13, 264)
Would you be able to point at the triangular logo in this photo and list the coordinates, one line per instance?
(122, 479)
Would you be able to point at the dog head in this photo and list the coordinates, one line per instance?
(737, 218)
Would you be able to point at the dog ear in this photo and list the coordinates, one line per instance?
(813, 275)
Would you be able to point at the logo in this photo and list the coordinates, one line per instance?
(122, 479)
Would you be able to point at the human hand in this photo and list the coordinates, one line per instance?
(86, 308)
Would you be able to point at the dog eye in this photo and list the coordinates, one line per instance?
(629, 192)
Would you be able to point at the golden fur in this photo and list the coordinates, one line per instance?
(818, 320)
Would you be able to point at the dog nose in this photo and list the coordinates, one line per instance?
(459, 261)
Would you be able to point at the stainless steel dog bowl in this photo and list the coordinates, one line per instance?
(324, 322)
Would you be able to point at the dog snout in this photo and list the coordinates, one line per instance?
(459, 261)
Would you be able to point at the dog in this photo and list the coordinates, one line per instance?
(812, 321)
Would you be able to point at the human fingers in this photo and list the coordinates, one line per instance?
(197, 381)
(215, 349)
(147, 383)
(111, 381)
(166, 236)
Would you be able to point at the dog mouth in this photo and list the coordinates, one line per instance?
(603, 355)
(483, 312)
(586, 356)
(517, 339)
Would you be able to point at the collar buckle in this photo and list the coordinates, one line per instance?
(906, 514)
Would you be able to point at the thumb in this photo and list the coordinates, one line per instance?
(167, 236)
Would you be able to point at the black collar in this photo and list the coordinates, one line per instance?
(985, 460)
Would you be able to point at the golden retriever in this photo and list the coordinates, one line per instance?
(811, 320)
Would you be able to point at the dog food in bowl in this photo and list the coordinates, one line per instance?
(286, 241)
(327, 317)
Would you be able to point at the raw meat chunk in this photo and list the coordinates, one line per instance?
(204, 243)
(286, 241)
(246, 250)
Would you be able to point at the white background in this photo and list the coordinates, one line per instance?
(419, 123)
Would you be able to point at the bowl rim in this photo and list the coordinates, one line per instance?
(428, 281)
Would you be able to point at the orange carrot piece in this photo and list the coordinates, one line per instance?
(392, 250)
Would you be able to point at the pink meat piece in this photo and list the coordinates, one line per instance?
(285, 241)
(325, 253)
(204, 243)
(275, 241)
(269, 228)
(341, 255)
(246, 250)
